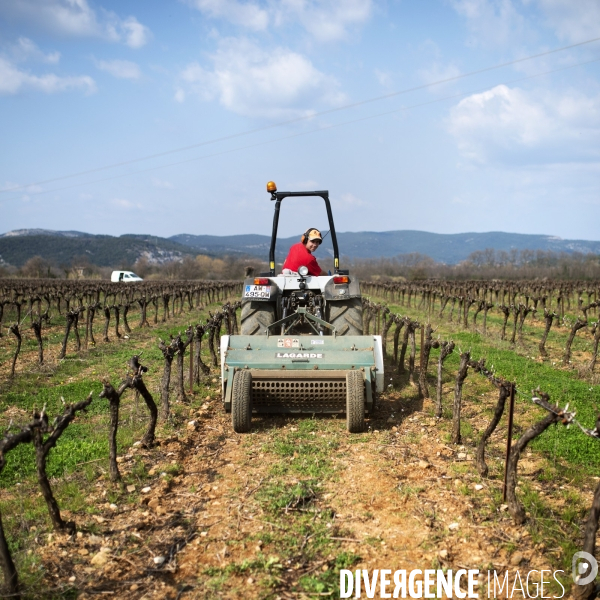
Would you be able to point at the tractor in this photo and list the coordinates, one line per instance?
(301, 348)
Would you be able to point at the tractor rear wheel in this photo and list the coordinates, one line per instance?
(346, 316)
(256, 317)
(241, 402)
(355, 401)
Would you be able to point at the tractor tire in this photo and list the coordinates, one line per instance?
(241, 402)
(256, 316)
(346, 316)
(355, 401)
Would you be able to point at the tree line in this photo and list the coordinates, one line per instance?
(481, 264)
(188, 268)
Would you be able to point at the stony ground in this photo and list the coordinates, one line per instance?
(277, 513)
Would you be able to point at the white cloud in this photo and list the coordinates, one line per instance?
(179, 95)
(78, 18)
(251, 81)
(24, 191)
(439, 72)
(25, 49)
(512, 125)
(245, 14)
(123, 69)
(124, 204)
(9, 185)
(14, 80)
(384, 78)
(496, 22)
(492, 22)
(136, 35)
(349, 201)
(162, 184)
(325, 20)
(573, 20)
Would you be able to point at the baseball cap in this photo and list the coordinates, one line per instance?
(314, 234)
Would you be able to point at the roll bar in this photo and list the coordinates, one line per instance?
(278, 197)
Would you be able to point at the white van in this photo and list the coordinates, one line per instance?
(126, 276)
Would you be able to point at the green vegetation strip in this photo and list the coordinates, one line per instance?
(518, 363)
(303, 525)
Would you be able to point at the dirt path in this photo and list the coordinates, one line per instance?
(278, 512)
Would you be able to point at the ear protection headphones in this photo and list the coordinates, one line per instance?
(304, 237)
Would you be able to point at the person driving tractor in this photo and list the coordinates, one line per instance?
(301, 254)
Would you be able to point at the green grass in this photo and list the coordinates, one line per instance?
(267, 569)
(556, 512)
(299, 461)
(291, 498)
(552, 528)
(515, 364)
(81, 453)
(562, 386)
(328, 582)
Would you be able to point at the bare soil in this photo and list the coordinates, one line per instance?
(276, 513)
(203, 523)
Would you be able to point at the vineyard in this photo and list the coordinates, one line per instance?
(120, 474)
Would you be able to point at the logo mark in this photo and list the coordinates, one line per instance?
(585, 568)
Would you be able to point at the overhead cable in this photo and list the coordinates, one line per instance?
(302, 118)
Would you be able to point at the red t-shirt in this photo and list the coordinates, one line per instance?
(298, 256)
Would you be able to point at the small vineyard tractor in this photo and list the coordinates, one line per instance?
(301, 348)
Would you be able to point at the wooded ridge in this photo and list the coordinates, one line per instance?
(104, 250)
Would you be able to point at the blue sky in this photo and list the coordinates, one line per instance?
(194, 105)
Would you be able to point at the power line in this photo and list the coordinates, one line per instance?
(303, 118)
(323, 128)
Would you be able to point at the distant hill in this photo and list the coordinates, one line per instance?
(60, 247)
(445, 248)
(21, 232)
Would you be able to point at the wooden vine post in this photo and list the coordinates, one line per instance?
(511, 412)
(191, 369)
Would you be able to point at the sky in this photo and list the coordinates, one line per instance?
(167, 117)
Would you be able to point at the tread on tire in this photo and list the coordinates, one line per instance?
(241, 402)
(256, 317)
(355, 401)
(346, 316)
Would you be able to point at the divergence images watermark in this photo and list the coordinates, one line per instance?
(584, 568)
(463, 583)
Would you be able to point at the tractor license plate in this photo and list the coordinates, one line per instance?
(257, 291)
